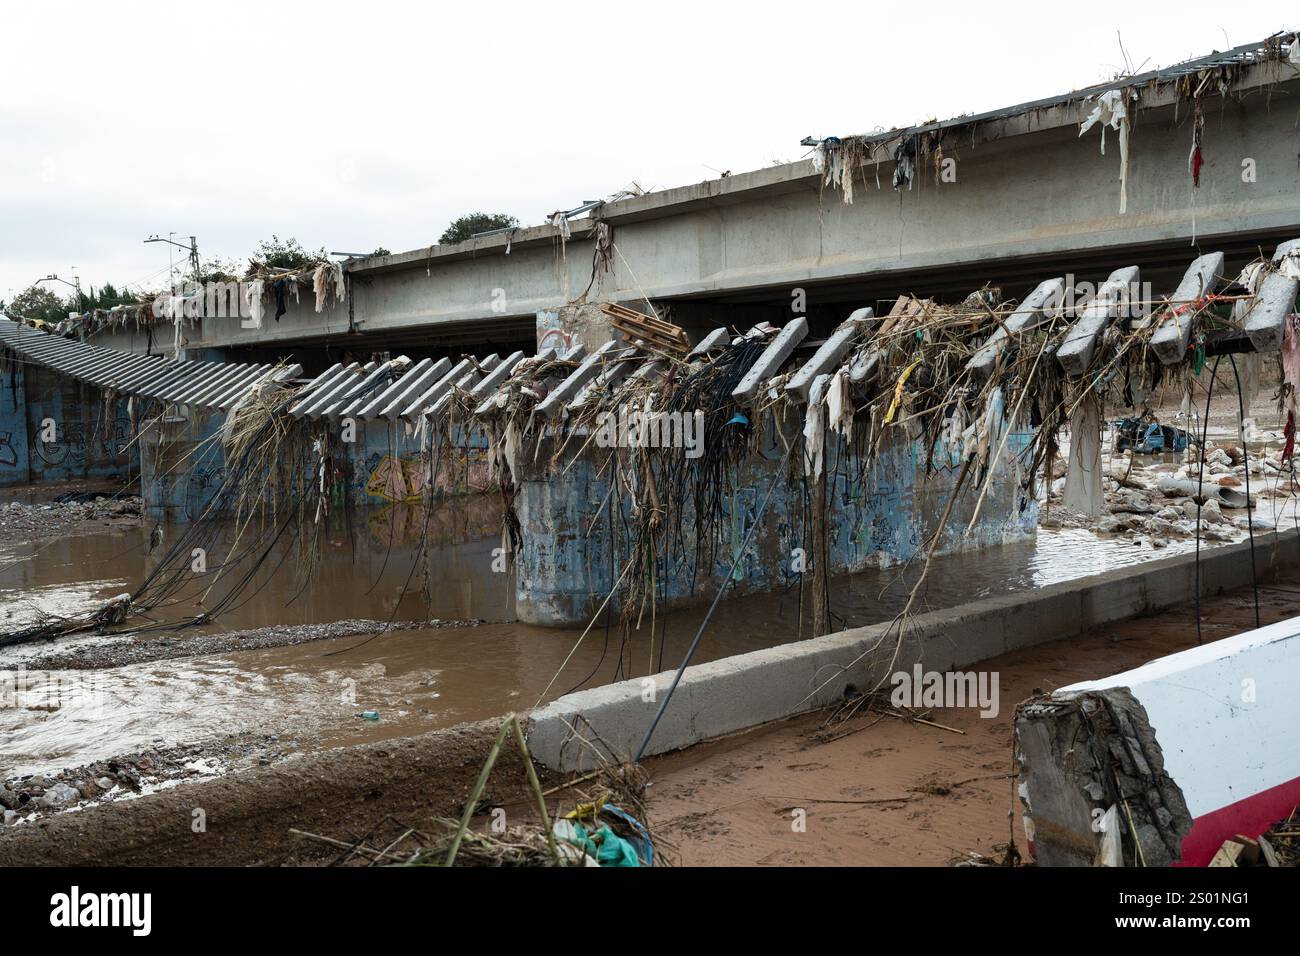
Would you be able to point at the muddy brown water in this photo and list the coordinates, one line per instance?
(314, 694)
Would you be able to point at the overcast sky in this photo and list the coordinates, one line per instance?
(357, 125)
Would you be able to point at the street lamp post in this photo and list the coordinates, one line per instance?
(76, 285)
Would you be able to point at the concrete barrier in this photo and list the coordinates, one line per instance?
(741, 692)
(1196, 747)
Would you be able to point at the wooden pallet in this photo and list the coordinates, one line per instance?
(657, 334)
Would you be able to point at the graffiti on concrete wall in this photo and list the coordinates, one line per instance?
(395, 479)
(551, 334)
(203, 482)
(118, 439)
(70, 444)
(68, 447)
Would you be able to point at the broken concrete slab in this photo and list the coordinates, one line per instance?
(1171, 338)
(1210, 729)
(1080, 756)
(1114, 296)
(1042, 304)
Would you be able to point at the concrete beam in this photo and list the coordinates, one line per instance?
(465, 383)
(1075, 353)
(1042, 304)
(496, 396)
(497, 375)
(193, 382)
(617, 366)
(826, 358)
(1171, 339)
(1287, 250)
(313, 387)
(212, 396)
(240, 389)
(562, 394)
(773, 357)
(376, 402)
(353, 398)
(715, 339)
(1266, 316)
(324, 394)
(420, 404)
(411, 385)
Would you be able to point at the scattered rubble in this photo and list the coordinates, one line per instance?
(29, 797)
(21, 520)
(1155, 501)
(143, 650)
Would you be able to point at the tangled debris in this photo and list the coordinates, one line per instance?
(605, 828)
(838, 161)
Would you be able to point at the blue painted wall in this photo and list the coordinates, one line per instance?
(90, 439)
(881, 518)
(180, 469)
(14, 469)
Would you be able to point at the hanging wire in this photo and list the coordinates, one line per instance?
(1250, 518)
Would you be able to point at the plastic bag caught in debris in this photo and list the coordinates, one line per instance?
(1112, 110)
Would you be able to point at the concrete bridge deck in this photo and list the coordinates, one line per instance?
(1026, 188)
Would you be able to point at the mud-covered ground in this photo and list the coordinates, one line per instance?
(419, 684)
(33, 796)
(883, 791)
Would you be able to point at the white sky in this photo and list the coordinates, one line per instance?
(357, 125)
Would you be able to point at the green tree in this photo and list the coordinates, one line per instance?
(476, 222)
(108, 296)
(38, 302)
(216, 269)
(283, 254)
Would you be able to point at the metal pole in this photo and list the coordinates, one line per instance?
(690, 652)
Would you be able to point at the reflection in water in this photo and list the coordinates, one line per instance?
(417, 680)
(363, 568)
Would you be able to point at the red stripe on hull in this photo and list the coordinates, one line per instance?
(1249, 817)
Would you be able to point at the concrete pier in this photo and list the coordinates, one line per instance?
(737, 693)
(879, 518)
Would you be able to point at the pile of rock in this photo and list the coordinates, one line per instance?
(1156, 501)
(39, 792)
(20, 520)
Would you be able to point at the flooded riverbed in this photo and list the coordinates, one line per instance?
(351, 689)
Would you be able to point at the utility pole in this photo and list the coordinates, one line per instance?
(76, 286)
(192, 249)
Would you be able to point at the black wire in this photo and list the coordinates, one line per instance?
(1250, 519)
(1200, 480)
(731, 576)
